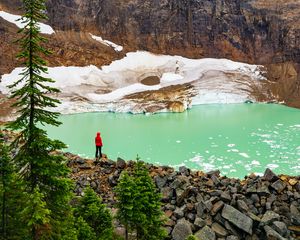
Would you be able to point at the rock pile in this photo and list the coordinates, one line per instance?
(208, 205)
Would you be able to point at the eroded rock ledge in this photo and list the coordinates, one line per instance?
(207, 204)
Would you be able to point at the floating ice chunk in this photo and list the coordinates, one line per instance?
(197, 158)
(208, 167)
(272, 165)
(234, 150)
(259, 174)
(231, 145)
(254, 162)
(44, 28)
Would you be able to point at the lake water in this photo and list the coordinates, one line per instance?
(237, 139)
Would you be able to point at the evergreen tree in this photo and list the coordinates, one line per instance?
(85, 231)
(37, 215)
(41, 169)
(126, 193)
(95, 214)
(139, 206)
(12, 197)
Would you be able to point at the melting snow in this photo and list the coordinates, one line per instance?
(124, 76)
(117, 47)
(44, 28)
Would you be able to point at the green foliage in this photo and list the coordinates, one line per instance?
(139, 206)
(95, 215)
(85, 231)
(12, 197)
(37, 215)
(45, 173)
(191, 237)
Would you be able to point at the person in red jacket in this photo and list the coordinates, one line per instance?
(98, 142)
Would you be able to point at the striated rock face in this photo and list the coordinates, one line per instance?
(256, 31)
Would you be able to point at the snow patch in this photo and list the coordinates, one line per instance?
(116, 47)
(170, 77)
(44, 28)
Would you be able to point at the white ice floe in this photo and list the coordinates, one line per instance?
(272, 166)
(255, 162)
(94, 86)
(116, 47)
(245, 155)
(44, 28)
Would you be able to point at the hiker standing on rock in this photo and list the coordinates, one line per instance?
(98, 142)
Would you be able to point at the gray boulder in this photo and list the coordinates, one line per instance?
(181, 230)
(206, 234)
(121, 163)
(272, 234)
(269, 217)
(237, 218)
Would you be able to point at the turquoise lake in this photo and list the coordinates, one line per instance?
(237, 139)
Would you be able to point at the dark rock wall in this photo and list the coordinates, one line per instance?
(216, 28)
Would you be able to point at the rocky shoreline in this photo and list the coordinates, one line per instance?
(207, 205)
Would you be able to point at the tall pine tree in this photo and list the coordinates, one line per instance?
(41, 169)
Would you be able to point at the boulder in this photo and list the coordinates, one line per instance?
(184, 170)
(219, 230)
(272, 234)
(270, 176)
(160, 181)
(181, 230)
(242, 206)
(279, 185)
(237, 218)
(121, 163)
(211, 173)
(200, 207)
(205, 234)
(217, 207)
(280, 227)
(179, 212)
(269, 217)
(199, 222)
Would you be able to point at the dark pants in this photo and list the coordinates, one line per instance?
(98, 150)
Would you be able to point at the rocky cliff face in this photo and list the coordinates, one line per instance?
(255, 31)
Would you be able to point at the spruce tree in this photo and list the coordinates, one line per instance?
(37, 216)
(126, 192)
(139, 206)
(91, 210)
(12, 197)
(41, 169)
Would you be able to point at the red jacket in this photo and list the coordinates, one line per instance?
(98, 140)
